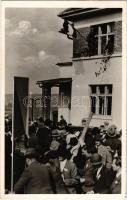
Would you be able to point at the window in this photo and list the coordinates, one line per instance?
(101, 99)
(101, 39)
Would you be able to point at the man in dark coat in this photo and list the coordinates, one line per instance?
(44, 137)
(68, 171)
(112, 140)
(103, 176)
(36, 178)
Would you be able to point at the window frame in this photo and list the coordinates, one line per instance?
(100, 35)
(99, 95)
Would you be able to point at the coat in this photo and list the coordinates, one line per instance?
(33, 142)
(71, 178)
(36, 179)
(115, 144)
(88, 175)
(103, 183)
(106, 155)
(54, 168)
(44, 138)
(116, 185)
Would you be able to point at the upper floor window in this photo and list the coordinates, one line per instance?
(101, 39)
(101, 99)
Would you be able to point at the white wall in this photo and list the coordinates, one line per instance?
(84, 75)
(65, 112)
(66, 72)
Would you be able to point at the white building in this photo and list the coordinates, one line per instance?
(96, 66)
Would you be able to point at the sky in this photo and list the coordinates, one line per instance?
(33, 45)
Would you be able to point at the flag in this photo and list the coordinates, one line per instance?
(19, 127)
(20, 108)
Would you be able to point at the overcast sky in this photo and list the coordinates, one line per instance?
(34, 45)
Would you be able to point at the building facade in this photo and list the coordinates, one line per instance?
(96, 69)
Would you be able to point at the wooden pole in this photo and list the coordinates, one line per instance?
(86, 127)
(12, 141)
(81, 139)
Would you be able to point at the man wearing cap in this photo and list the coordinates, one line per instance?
(103, 177)
(36, 178)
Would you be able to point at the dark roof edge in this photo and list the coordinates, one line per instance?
(73, 11)
(72, 15)
(54, 81)
(64, 64)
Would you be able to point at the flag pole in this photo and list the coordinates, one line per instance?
(12, 140)
(27, 116)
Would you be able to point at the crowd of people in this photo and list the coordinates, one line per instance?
(59, 158)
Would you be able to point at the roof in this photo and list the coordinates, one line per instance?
(72, 10)
(64, 64)
(53, 82)
(78, 13)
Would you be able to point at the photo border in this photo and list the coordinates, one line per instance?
(64, 4)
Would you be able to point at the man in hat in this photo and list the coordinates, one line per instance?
(36, 178)
(103, 177)
(104, 151)
(112, 140)
(69, 171)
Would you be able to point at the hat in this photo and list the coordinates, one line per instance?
(96, 159)
(118, 161)
(95, 130)
(106, 123)
(98, 138)
(55, 133)
(101, 126)
(63, 152)
(30, 153)
(112, 131)
(41, 120)
(73, 141)
(83, 120)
